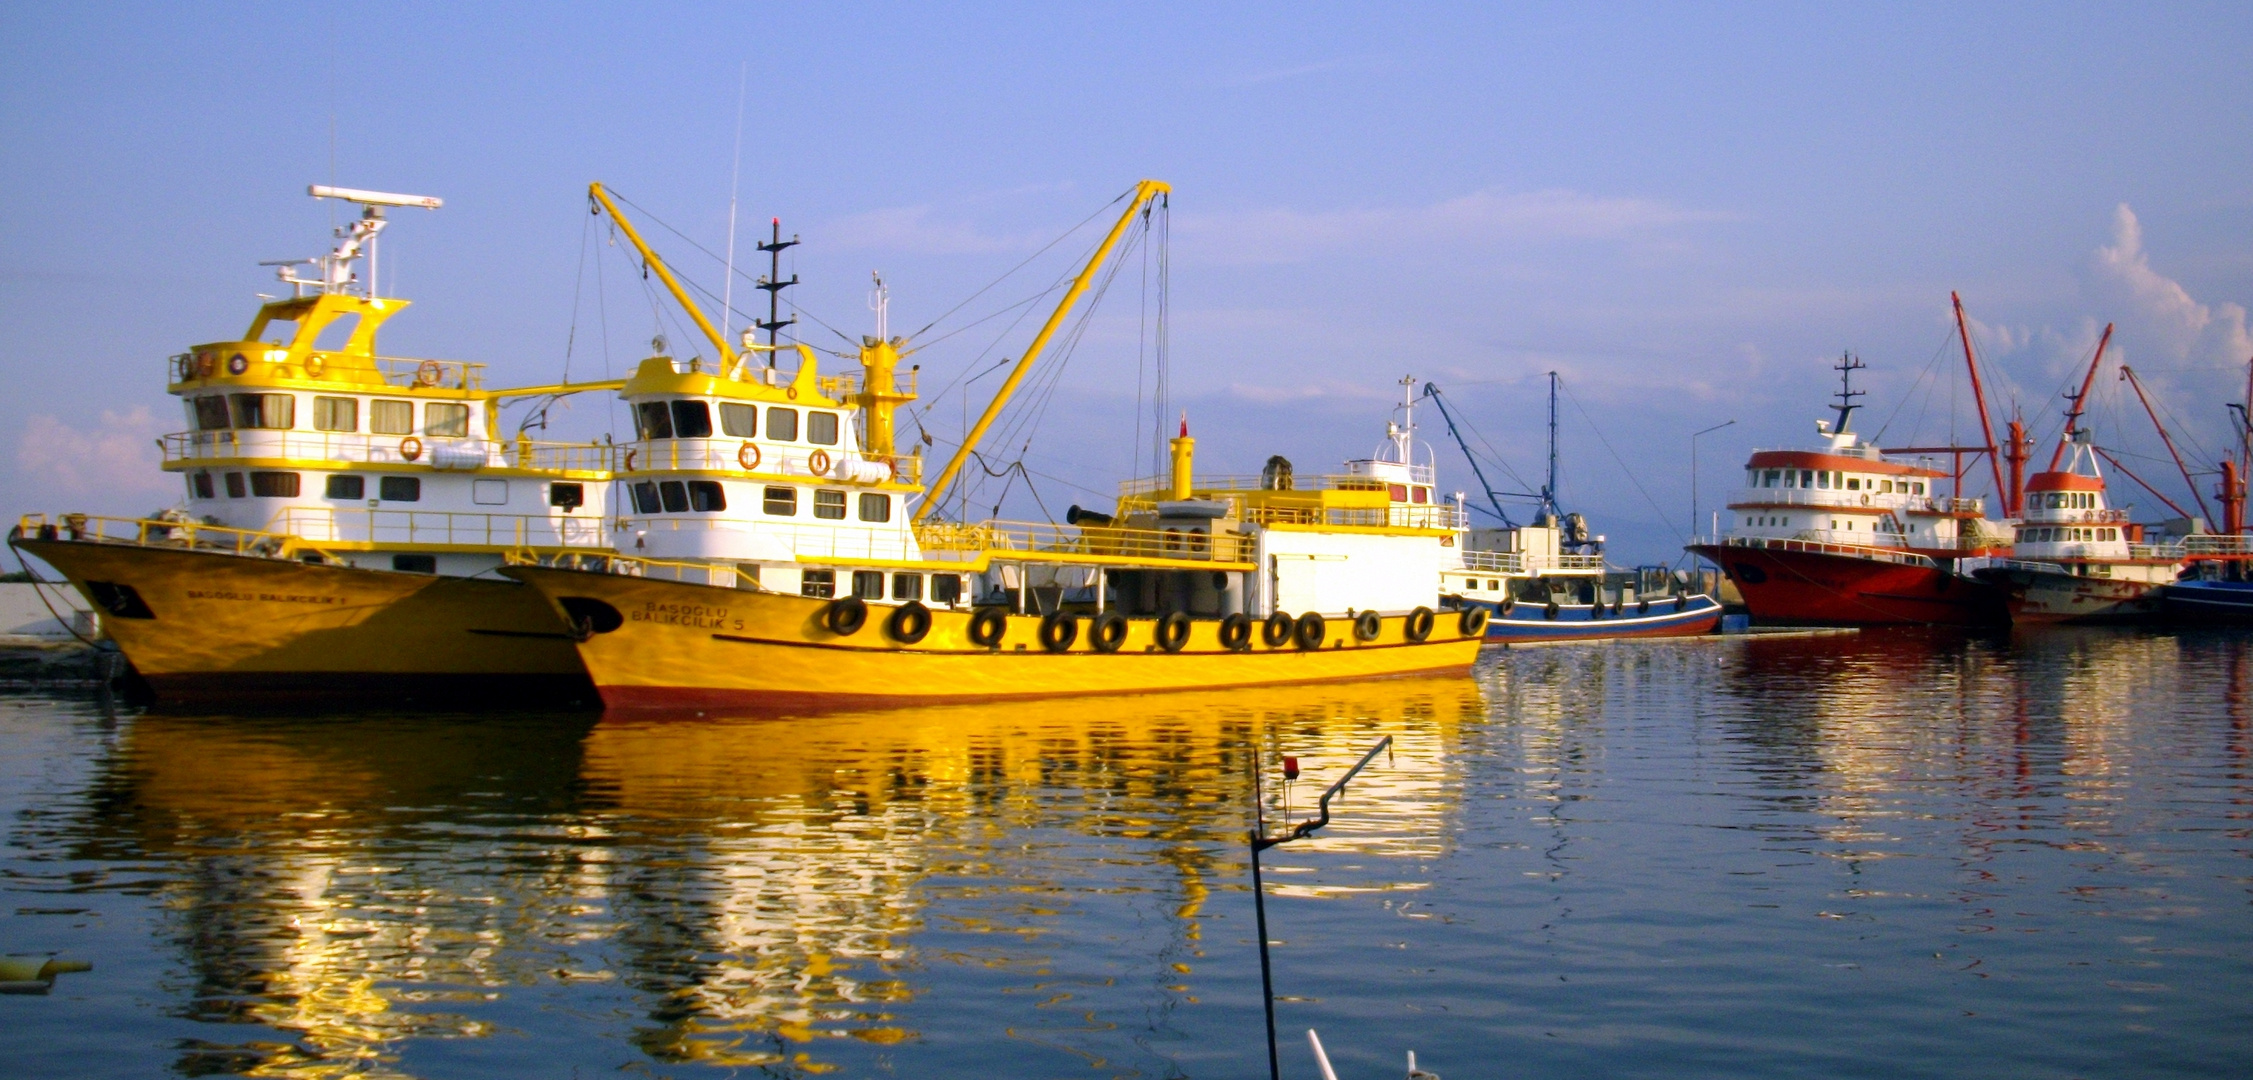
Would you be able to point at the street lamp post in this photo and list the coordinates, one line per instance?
(1694, 474)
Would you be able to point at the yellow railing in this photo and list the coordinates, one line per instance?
(444, 529)
(401, 371)
(847, 383)
(163, 532)
(1427, 516)
(1157, 486)
(353, 448)
(1026, 541)
(769, 459)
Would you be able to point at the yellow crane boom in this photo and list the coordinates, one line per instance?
(650, 259)
(1143, 193)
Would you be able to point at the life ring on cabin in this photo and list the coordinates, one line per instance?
(1472, 623)
(1367, 625)
(428, 373)
(1173, 631)
(746, 455)
(314, 366)
(1107, 632)
(909, 623)
(1236, 632)
(1058, 630)
(1276, 632)
(845, 616)
(818, 462)
(205, 365)
(987, 625)
(410, 448)
(629, 462)
(791, 393)
(1310, 631)
(893, 465)
(237, 364)
(1418, 625)
(1865, 500)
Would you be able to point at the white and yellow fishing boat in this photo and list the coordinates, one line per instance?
(778, 551)
(344, 512)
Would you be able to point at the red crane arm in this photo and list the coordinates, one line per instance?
(2147, 487)
(2129, 374)
(1979, 397)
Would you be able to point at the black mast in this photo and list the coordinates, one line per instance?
(1848, 364)
(774, 285)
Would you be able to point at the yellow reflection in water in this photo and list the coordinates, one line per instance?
(751, 886)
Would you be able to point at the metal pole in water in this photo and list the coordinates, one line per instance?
(1266, 978)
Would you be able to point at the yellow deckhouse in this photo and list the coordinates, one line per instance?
(344, 511)
(778, 552)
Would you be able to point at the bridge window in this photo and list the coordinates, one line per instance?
(821, 583)
(415, 564)
(868, 584)
(400, 489)
(782, 424)
(391, 417)
(336, 414)
(568, 496)
(645, 498)
(821, 427)
(706, 496)
(946, 588)
(742, 422)
(211, 412)
(829, 505)
(199, 485)
(346, 486)
(781, 501)
(1823, 480)
(278, 411)
(673, 495)
(1806, 478)
(1397, 492)
(1421, 495)
(907, 586)
(1768, 479)
(691, 420)
(653, 420)
(235, 489)
(440, 418)
(1853, 483)
(876, 507)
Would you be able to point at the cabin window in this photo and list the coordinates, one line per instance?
(488, 492)
(876, 507)
(782, 501)
(692, 420)
(451, 421)
(1917, 488)
(829, 505)
(645, 498)
(1853, 483)
(1806, 478)
(1791, 478)
(211, 413)
(391, 417)
(1823, 480)
(907, 586)
(821, 583)
(199, 485)
(1769, 478)
(1422, 494)
(782, 424)
(653, 420)
(278, 411)
(742, 422)
(706, 496)
(821, 427)
(235, 488)
(673, 495)
(868, 584)
(399, 489)
(946, 588)
(345, 486)
(568, 496)
(336, 414)
(415, 564)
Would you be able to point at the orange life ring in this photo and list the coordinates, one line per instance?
(791, 393)
(629, 462)
(314, 366)
(1865, 500)
(429, 373)
(893, 465)
(818, 462)
(410, 448)
(746, 455)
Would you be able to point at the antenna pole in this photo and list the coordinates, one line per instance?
(2073, 414)
(735, 188)
(774, 285)
(1978, 397)
(1549, 490)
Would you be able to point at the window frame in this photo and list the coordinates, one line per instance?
(875, 498)
(453, 426)
(379, 406)
(387, 488)
(730, 411)
(337, 482)
(823, 504)
(775, 412)
(788, 498)
(815, 419)
(324, 413)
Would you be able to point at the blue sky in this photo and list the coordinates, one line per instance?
(1687, 210)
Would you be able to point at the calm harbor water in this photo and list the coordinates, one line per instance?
(1892, 854)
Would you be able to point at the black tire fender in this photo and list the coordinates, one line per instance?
(987, 626)
(1173, 631)
(1106, 632)
(1472, 623)
(1058, 630)
(908, 623)
(1236, 632)
(1310, 631)
(1418, 625)
(1367, 625)
(1276, 632)
(845, 616)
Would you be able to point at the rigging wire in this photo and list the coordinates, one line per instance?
(1599, 433)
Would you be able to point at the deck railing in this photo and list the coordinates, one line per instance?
(1819, 498)
(1521, 562)
(1156, 486)
(235, 444)
(403, 371)
(183, 533)
(1858, 551)
(1029, 541)
(731, 455)
(444, 529)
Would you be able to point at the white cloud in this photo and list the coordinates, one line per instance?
(2164, 317)
(915, 230)
(1481, 217)
(96, 465)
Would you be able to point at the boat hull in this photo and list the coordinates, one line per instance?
(1826, 588)
(2046, 596)
(203, 625)
(2208, 601)
(1538, 624)
(675, 645)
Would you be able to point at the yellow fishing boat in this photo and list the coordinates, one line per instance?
(344, 513)
(783, 554)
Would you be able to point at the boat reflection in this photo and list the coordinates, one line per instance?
(743, 890)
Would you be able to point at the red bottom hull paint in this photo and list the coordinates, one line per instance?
(1822, 588)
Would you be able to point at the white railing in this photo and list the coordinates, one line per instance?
(1857, 500)
(1858, 551)
(767, 459)
(352, 448)
(441, 528)
(1520, 562)
(2209, 545)
(2074, 517)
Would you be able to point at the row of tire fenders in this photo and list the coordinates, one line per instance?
(910, 623)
